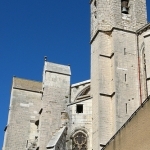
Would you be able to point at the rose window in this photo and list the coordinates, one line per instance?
(79, 141)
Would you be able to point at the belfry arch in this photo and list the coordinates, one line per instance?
(124, 6)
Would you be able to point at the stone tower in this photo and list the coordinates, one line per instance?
(56, 86)
(52, 114)
(115, 77)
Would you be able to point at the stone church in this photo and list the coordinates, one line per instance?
(54, 115)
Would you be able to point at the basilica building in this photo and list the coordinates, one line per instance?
(110, 110)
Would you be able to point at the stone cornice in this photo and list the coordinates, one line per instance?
(148, 79)
(78, 101)
(143, 29)
(112, 54)
(58, 72)
(107, 95)
(23, 89)
(109, 31)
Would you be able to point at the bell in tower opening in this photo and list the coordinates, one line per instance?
(124, 6)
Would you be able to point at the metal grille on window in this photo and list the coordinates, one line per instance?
(79, 141)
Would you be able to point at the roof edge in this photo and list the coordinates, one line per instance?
(81, 83)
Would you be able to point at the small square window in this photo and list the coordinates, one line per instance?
(79, 108)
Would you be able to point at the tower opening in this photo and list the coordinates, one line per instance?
(124, 6)
(79, 108)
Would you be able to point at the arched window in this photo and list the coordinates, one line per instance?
(84, 93)
(79, 141)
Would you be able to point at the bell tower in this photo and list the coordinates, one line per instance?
(125, 14)
(114, 64)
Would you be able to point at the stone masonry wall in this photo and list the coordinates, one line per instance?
(107, 14)
(80, 121)
(24, 108)
(56, 86)
(114, 82)
(144, 54)
(135, 134)
(101, 89)
(146, 36)
(126, 75)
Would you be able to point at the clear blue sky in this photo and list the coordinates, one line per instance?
(32, 29)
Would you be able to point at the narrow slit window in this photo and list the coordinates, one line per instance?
(125, 77)
(124, 51)
(95, 14)
(126, 108)
(95, 3)
(27, 144)
(79, 108)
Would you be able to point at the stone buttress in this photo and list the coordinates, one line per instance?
(56, 88)
(114, 64)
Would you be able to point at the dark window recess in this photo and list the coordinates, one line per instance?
(95, 14)
(37, 123)
(79, 108)
(126, 108)
(40, 110)
(125, 77)
(124, 51)
(95, 3)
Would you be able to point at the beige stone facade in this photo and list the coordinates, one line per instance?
(135, 133)
(52, 114)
